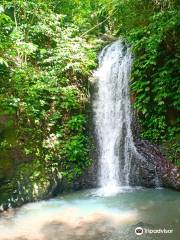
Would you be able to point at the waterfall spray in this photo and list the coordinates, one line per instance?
(112, 116)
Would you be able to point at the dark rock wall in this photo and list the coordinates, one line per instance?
(152, 169)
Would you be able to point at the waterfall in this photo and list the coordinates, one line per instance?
(112, 116)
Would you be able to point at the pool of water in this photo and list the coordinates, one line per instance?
(93, 215)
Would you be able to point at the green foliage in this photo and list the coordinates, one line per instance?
(152, 29)
(155, 80)
(171, 149)
(44, 67)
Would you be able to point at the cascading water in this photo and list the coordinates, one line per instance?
(112, 116)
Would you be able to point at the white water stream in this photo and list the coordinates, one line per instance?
(112, 116)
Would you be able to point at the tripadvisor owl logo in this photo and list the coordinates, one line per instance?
(139, 231)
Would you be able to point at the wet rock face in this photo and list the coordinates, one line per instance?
(154, 170)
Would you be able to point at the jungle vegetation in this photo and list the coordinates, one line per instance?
(48, 50)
